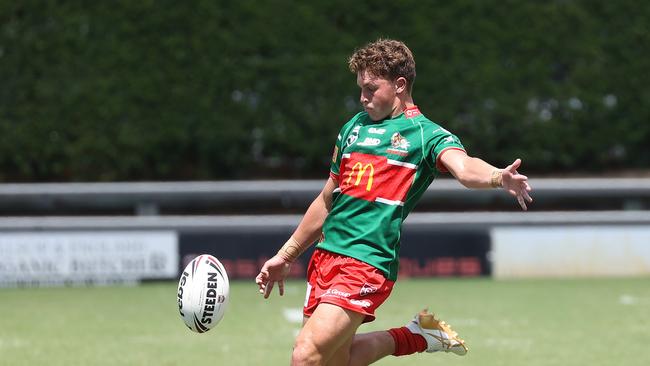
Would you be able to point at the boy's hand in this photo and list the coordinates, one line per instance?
(274, 270)
(517, 184)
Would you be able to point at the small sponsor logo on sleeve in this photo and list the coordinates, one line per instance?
(450, 140)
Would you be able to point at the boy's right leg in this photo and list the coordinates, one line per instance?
(329, 329)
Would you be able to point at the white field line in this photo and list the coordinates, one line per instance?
(509, 343)
(293, 315)
(12, 343)
(627, 299)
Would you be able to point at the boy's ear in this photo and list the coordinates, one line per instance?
(400, 85)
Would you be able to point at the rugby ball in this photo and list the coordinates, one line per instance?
(203, 293)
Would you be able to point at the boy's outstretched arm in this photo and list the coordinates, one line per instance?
(476, 173)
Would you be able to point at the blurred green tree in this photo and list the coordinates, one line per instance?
(163, 90)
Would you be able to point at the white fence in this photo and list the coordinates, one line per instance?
(155, 197)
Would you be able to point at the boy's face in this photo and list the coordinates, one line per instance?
(378, 95)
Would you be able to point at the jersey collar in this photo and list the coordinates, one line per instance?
(412, 112)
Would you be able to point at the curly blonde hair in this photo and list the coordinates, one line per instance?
(385, 58)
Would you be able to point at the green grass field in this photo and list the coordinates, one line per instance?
(523, 322)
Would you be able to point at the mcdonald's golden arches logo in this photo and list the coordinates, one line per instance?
(360, 170)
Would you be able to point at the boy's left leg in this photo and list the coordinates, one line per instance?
(370, 347)
(342, 355)
(424, 333)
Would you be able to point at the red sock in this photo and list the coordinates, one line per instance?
(406, 342)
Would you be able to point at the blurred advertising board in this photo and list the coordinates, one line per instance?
(33, 259)
(423, 253)
(571, 251)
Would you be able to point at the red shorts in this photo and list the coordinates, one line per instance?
(346, 282)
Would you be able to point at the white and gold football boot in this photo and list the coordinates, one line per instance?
(437, 333)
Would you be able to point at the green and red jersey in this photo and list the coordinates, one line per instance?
(382, 169)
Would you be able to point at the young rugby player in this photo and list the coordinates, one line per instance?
(384, 159)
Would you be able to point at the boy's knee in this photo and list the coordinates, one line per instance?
(305, 353)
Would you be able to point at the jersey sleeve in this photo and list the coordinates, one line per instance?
(439, 142)
(336, 159)
(339, 145)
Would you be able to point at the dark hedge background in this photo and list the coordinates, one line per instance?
(169, 90)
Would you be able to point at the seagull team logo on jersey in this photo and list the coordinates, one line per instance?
(399, 145)
(354, 135)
